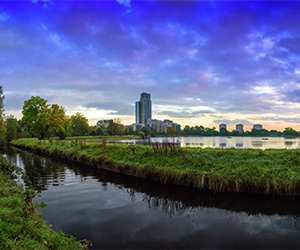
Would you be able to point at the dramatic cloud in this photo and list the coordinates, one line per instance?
(203, 62)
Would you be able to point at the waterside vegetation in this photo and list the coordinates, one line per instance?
(21, 227)
(218, 170)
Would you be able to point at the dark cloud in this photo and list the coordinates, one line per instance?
(116, 107)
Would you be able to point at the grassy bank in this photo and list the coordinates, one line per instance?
(21, 227)
(105, 137)
(218, 170)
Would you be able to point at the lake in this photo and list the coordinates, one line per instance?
(115, 211)
(224, 142)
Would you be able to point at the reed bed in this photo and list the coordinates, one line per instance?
(218, 170)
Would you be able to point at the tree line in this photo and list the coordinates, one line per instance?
(43, 120)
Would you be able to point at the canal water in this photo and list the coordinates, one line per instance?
(115, 211)
(224, 142)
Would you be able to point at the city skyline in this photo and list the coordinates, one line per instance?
(203, 62)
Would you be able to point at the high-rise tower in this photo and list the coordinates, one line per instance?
(143, 109)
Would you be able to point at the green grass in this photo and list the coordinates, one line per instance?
(107, 137)
(21, 227)
(220, 170)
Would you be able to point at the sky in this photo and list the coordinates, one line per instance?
(202, 61)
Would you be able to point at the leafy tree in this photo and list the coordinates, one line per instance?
(116, 128)
(36, 117)
(79, 125)
(171, 131)
(290, 132)
(11, 128)
(57, 121)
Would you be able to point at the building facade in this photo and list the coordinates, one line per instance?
(143, 118)
(164, 127)
(257, 127)
(156, 125)
(104, 123)
(222, 127)
(143, 109)
(137, 112)
(239, 128)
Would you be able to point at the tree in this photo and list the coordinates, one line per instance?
(2, 123)
(79, 125)
(290, 132)
(57, 121)
(36, 117)
(11, 128)
(116, 128)
(171, 131)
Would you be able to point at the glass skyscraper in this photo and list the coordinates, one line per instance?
(143, 109)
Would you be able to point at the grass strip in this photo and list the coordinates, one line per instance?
(272, 171)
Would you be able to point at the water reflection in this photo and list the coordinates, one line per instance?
(103, 207)
(224, 142)
(289, 143)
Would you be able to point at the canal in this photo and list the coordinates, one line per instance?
(115, 211)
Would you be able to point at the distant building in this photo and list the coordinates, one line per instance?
(177, 127)
(169, 126)
(239, 128)
(167, 122)
(143, 118)
(257, 127)
(105, 123)
(143, 109)
(156, 125)
(137, 112)
(137, 126)
(222, 127)
(164, 127)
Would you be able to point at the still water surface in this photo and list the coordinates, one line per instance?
(115, 211)
(225, 142)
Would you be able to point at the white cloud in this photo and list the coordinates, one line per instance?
(59, 41)
(192, 53)
(259, 46)
(126, 3)
(264, 89)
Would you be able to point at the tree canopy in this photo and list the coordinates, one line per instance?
(11, 128)
(79, 125)
(42, 120)
(36, 117)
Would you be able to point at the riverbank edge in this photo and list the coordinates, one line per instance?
(22, 227)
(170, 176)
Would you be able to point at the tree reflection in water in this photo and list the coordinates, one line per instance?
(41, 173)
